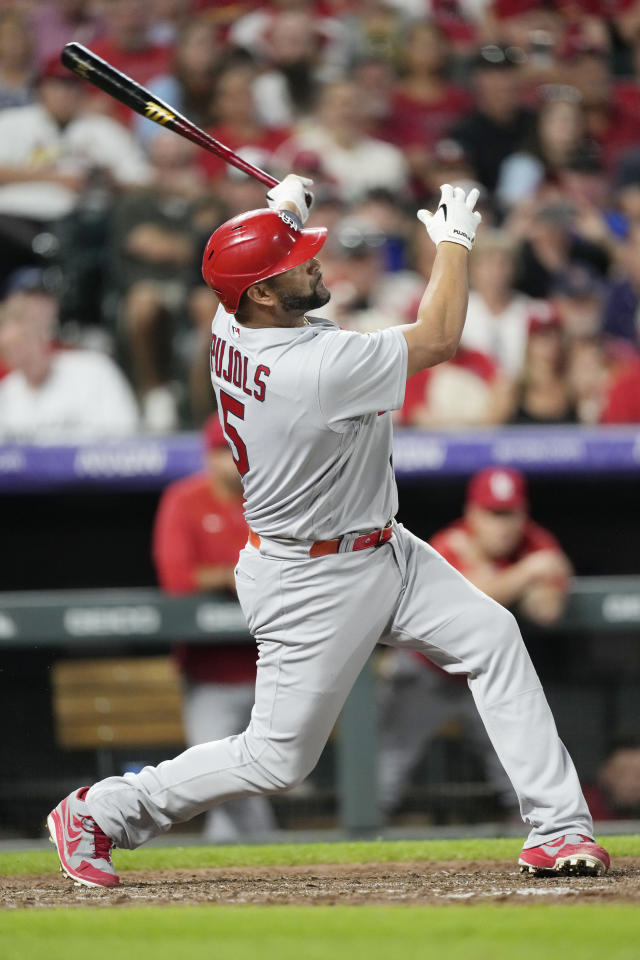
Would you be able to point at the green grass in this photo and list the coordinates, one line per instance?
(289, 854)
(322, 933)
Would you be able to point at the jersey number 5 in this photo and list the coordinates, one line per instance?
(232, 406)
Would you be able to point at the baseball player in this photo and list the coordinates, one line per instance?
(327, 572)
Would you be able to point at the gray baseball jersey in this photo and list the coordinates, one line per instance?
(306, 413)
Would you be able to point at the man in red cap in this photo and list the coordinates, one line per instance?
(327, 572)
(198, 533)
(504, 553)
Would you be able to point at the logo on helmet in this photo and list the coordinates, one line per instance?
(287, 218)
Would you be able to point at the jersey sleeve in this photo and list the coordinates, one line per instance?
(362, 373)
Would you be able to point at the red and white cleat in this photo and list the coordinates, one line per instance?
(84, 850)
(572, 854)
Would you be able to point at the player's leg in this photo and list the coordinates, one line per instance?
(465, 632)
(213, 711)
(316, 623)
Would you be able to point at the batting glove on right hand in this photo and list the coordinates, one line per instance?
(293, 189)
(455, 219)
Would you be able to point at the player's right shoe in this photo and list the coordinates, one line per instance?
(83, 848)
(573, 854)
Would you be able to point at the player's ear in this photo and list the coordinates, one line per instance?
(262, 295)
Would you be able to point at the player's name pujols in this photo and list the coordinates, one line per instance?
(230, 364)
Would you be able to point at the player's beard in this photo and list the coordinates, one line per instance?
(300, 303)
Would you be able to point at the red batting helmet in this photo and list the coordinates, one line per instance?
(252, 247)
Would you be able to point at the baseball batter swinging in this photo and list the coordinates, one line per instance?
(327, 572)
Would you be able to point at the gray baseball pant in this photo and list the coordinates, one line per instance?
(316, 622)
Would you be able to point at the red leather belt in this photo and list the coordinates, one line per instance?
(322, 548)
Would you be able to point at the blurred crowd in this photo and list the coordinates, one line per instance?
(104, 215)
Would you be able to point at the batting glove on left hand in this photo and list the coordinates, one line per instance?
(455, 219)
(292, 189)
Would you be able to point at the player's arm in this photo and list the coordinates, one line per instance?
(215, 577)
(544, 603)
(545, 599)
(537, 584)
(435, 335)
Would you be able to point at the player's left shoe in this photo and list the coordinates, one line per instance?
(572, 854)
(83, 848)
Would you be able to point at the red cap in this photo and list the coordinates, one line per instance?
(214, 438)
(53, 69)
(252, 247)
(498, 488)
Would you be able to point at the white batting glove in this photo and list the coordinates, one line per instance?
(293, 189)
(455, 219)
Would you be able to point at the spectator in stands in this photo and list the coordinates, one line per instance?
(608, 122)
(53, 394)
(354, 161)
(235, 122)
(583, 183)
(365, 296)
(516, 562)
(550, 245)
(157, 236)
(285, 90)
(519, 23)
(376, 77)
(627, 191)
(466, 391)
(627, 87)
(541, 394)
(558, 136)
(623, 400)
(333, 24)
(381, 209)
(56, 22)
(425, 104)
(616, 794)
(499, 126)
(48, 150)
(578, 300)
(448, 163)
(128, 45)
(588, 376)
(167, 20)
(198, 534)
(620, 315)
(189, 85)
(498, 316)
(17, 72)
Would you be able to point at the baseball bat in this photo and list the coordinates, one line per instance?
(88, 66)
